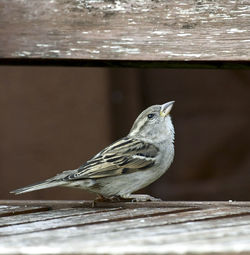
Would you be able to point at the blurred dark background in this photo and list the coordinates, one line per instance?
(56, 118)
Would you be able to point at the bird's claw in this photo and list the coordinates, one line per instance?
(143, 198)
(132, 198)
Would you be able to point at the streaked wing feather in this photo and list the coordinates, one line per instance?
(122, 157)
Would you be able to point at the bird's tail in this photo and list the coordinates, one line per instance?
(37, 186)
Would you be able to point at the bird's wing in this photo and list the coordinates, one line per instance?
(122, 157)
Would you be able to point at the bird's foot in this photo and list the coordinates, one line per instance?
(113, 199)
(131, 198)
(143, 198)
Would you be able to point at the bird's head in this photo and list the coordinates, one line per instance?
(154, 122)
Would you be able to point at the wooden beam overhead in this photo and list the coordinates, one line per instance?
(137, 31)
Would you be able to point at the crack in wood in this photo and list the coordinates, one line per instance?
(24, 211)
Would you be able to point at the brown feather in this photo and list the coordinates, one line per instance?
(126, 153)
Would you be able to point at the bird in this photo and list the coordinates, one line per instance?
(128, 164)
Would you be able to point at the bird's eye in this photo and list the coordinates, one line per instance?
(151, 116)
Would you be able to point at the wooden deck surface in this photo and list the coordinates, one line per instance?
(74, 227)
(164, 33)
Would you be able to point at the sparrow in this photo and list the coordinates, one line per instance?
(127, 165)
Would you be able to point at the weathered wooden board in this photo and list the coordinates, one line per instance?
(120, 30)
(49, 215)
(82, 219)
(6, 210)
(191, 227)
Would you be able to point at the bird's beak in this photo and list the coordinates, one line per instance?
(166, 108)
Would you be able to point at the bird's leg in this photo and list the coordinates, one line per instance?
(99, 198)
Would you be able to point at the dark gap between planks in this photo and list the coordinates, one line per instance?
(192, 64)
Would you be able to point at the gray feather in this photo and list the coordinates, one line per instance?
(37, 186)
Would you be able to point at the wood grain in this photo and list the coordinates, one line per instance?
(161, 32)
(169, 228)
(82, 219)
(11, 210)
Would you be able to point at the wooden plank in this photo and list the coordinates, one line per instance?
(88, 31)
(220, 234)
(55, 204)
(200, 242)
(10, 210)
(126, 219)
(44, 216)
(82, 219)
